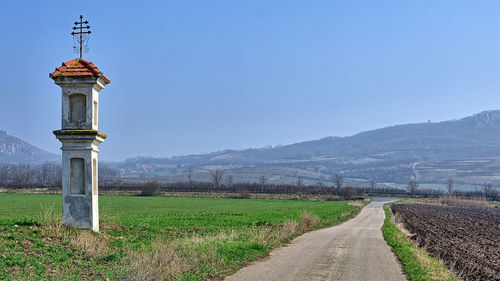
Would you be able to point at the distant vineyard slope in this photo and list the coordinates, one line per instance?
(467, 149)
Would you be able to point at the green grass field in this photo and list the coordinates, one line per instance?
(151, 238)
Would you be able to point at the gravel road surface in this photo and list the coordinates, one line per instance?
(352, 251)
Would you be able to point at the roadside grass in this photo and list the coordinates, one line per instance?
(418, 265)
(152, 238)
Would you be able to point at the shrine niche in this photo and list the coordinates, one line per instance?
(77, 108)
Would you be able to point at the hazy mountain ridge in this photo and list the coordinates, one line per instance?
(16, 150)
(480, 132)
(385, 154)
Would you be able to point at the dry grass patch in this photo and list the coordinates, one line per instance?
(452, 200)
(163, 263)
(176, 259)
(288, 229)
(345, 215)
(356, 204)
(474, 202)
(91, 243)
(265, 236)
(434, 272)
(308, 220)
(51, 224)
(397, 221)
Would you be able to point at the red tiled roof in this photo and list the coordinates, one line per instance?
(78, 68)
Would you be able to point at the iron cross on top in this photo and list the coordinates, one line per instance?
(79, 35)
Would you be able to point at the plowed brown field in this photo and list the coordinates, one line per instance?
(467, 240)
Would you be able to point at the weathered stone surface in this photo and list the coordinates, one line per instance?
(77, 109)
(77, 176)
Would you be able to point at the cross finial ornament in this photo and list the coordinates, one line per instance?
(81, 35)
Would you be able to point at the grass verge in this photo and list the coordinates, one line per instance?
(418, 265)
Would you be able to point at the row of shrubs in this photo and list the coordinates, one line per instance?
(244, 189)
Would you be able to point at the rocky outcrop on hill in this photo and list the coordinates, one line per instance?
(16, 150)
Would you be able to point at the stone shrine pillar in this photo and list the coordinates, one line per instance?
(80, 82)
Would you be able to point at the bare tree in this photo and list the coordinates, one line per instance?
(487, 188)
(373, 184)
(189, 174)
(412, 185)
(151, 188)
(262, 182)
(338, 181)
(449, 185)
(299, 182)
(494, 194)
(321, 187)
(108, 173)
(217, 177)
(229, 180)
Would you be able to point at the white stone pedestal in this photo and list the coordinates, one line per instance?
(80, 177)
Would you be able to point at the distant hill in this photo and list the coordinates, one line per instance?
(467, 149)
(16, 150)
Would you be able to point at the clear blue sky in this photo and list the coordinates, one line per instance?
(199, 76)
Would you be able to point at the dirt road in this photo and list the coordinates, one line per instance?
(354, 250)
